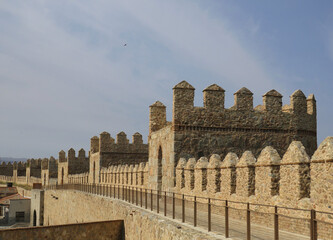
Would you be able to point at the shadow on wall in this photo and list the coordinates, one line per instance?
(113, 230)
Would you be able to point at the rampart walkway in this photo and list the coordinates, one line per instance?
(229, 220)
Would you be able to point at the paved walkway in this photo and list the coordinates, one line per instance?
(237, 228)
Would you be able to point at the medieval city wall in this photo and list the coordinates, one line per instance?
(106, 151)
(34, 166)
(81, 178)
(214, 129)
(293, 181)
(77, 207)
(119, 151)
(70, 164)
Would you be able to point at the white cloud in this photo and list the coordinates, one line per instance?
(65, 75)
(195, 36)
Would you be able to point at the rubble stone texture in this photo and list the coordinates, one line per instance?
(281, 138)
(322, 175)
(214, 174)
(105, 151)
(213, 129)
(267, 175)
(189, 174)
(180, 174)
(295, 173)
(229, 174)
(200, 175)
(245, 185)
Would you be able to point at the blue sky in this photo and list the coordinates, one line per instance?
(65, 75)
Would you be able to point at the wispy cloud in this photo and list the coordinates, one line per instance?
(66, 76)
(206, 42)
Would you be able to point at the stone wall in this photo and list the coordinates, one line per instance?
(213, 129)
(322, 176)
(37, 207)
(267, 177)
(269, 180)
(62, 171)
(71, 165)
(94, 167)
(202, 131)
(106, 151)
(112, 230)
(140, 224)
(34, 166)
(49, 170)
(119, 151)
(24, 192)
(78, 178)
(161, 161)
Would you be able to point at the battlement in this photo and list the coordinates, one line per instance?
(34, 163)
(157, 116)
(45, 163)
(106, 151)
(265, 177)
(48, 164)
(62, 156)
(73, 164)
(33, 167)
(268, 124)
(213, 100)
(105, 143)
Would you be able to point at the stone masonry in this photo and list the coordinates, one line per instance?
(214, 129)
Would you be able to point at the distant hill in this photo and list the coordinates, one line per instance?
(12, 159)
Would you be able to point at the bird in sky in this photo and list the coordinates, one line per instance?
(125, 44)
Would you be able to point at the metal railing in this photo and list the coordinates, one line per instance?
(221, 216)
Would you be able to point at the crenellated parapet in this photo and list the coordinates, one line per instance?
(214, 97)
(269, 179)
(19, 172)
(200, 131)
(105, 143)
(71, 164)
(124, 175)
(80, 178)
(49, 171)
(114, 152)
(45, 163)
(245, 172)
(321, 173)
(157, 116)
(241, 127)
(34, 167)
(267, 175)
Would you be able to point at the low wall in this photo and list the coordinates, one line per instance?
(67, 206)
(112, 230)
(23, 192)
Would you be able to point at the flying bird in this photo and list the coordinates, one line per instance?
(125, 44)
